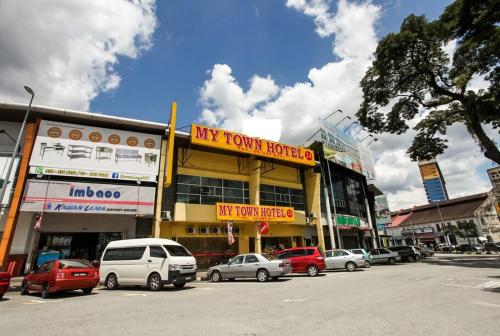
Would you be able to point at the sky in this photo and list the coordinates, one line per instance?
(223, 62)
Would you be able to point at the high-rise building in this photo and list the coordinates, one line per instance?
(433, 180)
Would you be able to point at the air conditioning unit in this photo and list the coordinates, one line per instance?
(166, 215)
(215, 230)
(191, 230)
(203, 230)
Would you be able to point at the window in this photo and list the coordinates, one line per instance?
(74, 264)
(127, 253)
(374, 252)
(284, 255)
(339, 253)
(310, 251)
(329, 254)
(157, 252)
(251, 259)
(238, 260)
(208, 190)
(47, 267)
(298, 253)
(177, 251)
(282, 196)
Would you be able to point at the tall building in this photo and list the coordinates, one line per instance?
(433, 180)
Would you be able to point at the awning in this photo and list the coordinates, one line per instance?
(345, 227)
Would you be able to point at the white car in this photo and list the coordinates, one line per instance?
(152, 262)
(338, 259)
(384, 256)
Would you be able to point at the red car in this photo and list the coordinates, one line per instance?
(4, 283)
(61, 275)
(304, 259)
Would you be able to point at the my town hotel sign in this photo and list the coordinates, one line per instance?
(222, 139)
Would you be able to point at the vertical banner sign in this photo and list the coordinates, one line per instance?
(170, 150)
(230, 237)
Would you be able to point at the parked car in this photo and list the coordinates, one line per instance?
(492, 246)
(384, 256)
(4, 283)
(253, 265)
(445, 247)
(338, 259)
(407, 253)
(425, 252)
(61, 275)
(151, 262)
(477, 248)
(304, 259)
(366, 255)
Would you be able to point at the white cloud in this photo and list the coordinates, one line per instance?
(336, 86)
(66, 50)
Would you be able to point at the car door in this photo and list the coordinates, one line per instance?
(329, 260)
(375, 256)
(133, 265)
(384, 255)
(250, 266)
(234, 268)
(42, 276)
(299, 260)
(157, 261)
(339, 258)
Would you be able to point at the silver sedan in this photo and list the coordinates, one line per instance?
(337, 259)
(253, 265)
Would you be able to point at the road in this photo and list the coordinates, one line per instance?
(447, 295)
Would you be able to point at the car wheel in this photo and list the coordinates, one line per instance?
(411, 259)
(179, 285)
(392, 261)
(312, 271)
(262, 275)
(24, 288)
(424, 256)
(417, 258)
(368, 264)
(350, 267)
(87, 291)
(111, 282)
(45, 291)
(216, 276)
(154, 282)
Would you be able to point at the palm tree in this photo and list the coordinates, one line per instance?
(466, 230)
(450, 230)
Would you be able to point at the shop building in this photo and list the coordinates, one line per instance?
(427, 224)
(266, 193)
(84, 180)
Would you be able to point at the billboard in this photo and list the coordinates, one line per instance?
(340, 147)
(429, 171)
(94, 152)
(81, 197)
(382, 213)
(254, 213)
(240, 143)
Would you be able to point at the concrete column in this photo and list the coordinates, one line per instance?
(254, 193)
(313, 196)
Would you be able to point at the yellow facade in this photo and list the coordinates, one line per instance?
(189, 219)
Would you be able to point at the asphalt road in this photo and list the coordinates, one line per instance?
(448, 295)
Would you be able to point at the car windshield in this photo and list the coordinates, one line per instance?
(269, 257)
(74, 264)
(177, 251)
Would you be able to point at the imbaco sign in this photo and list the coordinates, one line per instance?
(217, 138)
(254, 213)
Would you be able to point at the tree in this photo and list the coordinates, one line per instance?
(411, 74)
(466, 230)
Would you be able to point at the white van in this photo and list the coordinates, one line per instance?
(153, 262)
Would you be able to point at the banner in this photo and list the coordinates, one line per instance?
(254, 213)
(382, 213)
(218, 138)
(94, 152)
(81, 197)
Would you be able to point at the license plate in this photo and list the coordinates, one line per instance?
(79, 274)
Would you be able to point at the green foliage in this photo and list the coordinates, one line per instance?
(412, 76)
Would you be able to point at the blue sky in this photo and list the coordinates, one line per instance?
(253, 37)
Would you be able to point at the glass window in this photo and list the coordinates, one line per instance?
(310, 251)
(177, 251)
(128, 253)
(187, 179)
(237, 260)
(209, 181)
(74, 264)
(157, 252)
(284, 255)
(233, 184)
(251, 259)
(208, 190)
(329, 254)
(298, 253)
(374, 252)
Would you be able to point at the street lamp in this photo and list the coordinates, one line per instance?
(346, 117)
(16, 147)
(374, 139)
(361, 129)
(354, 122)
(369, 135)
(328, 116)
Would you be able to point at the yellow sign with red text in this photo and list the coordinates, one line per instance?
(254, 213)
(218, 138)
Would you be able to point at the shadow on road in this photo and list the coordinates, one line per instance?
(166, 288)
(464, 261)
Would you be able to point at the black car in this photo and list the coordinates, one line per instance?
(476, 248)
(492, 246)
(407, 253)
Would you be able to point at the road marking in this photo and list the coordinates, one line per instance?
(294, 300)
(133, 294)
(487, 304)
(490, 284)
